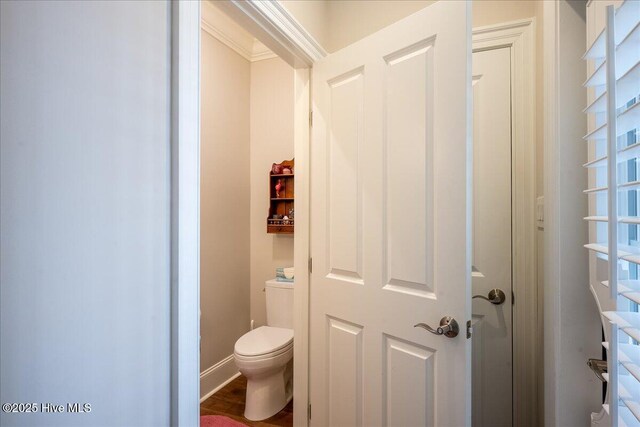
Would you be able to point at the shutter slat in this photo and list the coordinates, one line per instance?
(627, 53)
(629, 185)
(624, 154)
(597, 78)
(626, 418)
(631, 258)
(598, 133)
(596, 50)
(627, 321)
(622, 219)
(595, 190)
(597, 163)
(598, 105)
(629, 220)
(628, 120)
(629, 152)
(627, 18)
(628, 85)
(634, 407)
(630, 386)
(623, 286)
(632, 296)
(603, 249)
(631, 368)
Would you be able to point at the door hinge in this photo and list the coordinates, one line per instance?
(310, 265)
(469, 329)
(309, 411)
(310, 118)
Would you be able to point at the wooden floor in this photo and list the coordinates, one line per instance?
(229, 401)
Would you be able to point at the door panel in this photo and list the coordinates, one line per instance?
(344, 206)
(408, 367)
(491, 349)
(408, 158)
(345, 372)
(390, 226)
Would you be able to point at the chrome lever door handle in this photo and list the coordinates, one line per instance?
(495, 296)
(448, 327)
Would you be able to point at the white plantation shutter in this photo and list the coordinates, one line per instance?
(614, 207)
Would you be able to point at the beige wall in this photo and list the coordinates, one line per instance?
(351, 20)
(271, 142)
(224, 200)
(336, 24)
(312, 15)
(488, 12)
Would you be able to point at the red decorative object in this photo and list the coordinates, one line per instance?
(279, 187)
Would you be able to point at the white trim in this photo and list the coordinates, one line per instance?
(217, 376)
(227, 40)
(261, 52)
(301, 248)
(185, 213)
(220, 387)
(572, 327)
(217, 24)
(274, 26)
(518, 36)
(550, 49)
(290, 30)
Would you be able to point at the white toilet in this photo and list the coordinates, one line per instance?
(265, 355)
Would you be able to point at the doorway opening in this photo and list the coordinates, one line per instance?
(254, 105)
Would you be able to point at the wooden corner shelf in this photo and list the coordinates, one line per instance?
(282, 200)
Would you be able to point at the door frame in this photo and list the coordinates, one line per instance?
(518, 36)
(280, 32)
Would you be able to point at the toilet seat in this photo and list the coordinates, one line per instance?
(264, 342)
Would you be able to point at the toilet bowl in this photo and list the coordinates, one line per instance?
(265, 356)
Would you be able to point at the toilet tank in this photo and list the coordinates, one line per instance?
(279, 304)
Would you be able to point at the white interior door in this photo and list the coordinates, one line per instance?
(491, 348)
(390, 226)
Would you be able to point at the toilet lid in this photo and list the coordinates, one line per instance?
(263, 340)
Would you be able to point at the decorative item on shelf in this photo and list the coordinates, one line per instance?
(284, 274)
(279, 188)
(281, 198)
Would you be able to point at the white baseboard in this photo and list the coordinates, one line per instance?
(217, 376)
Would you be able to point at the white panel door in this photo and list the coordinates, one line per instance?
(491, 348)
(390, 229)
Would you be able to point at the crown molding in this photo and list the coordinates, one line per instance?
(260, 52)
(217, 24)
(294, 43)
